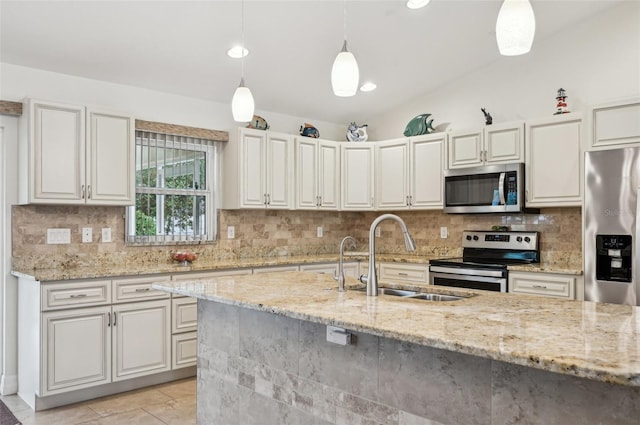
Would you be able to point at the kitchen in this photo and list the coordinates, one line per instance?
(458, 102)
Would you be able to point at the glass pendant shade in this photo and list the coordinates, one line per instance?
(242, 104)
(345, 74)
(515, 27)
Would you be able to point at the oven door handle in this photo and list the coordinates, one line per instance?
(468, 272)
(468, 278)
(501, 188)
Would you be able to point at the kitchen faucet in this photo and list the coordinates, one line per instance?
(340, 275)
(371, 279)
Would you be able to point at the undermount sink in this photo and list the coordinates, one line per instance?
(403, 293)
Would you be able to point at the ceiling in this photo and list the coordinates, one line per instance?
(180, 46)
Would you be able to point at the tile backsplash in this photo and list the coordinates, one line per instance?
(260, 233)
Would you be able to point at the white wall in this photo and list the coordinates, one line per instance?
(595, 62)
(18, 82)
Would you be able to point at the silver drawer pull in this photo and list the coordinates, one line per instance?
(77, 295)
(540, 286)
(143, 289)
(403, 274)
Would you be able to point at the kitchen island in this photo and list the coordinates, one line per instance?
(492, 358)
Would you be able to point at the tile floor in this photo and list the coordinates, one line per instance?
(173, 403)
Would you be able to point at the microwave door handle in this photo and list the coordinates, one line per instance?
(501, 188)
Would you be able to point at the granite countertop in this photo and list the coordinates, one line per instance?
(134, 269)
(585, 339)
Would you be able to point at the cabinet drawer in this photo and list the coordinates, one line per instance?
(184, 350)
(275, 269)
(56, 296)
(184, 314)
(557, 286)
(398, 272)
(138, 288)
(330, 269)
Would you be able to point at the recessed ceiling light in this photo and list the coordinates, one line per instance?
(368, 86)
(237, 52)
(417, 4)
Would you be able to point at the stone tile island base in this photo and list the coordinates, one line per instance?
(261, 368)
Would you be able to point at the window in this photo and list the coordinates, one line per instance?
(175, 189)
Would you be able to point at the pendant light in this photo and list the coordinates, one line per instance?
(344, 73)
(242, 104)
(515, 27)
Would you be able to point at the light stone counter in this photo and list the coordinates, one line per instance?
(583, 339)
(145, 268)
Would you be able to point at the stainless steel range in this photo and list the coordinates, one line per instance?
(485, 256)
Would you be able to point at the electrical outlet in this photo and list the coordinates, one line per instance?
(58, 236)
(106, 234)
(231, 232)
(378, 232)
(87, 234)
(444, 233)
(320, 231)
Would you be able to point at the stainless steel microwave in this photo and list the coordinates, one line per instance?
(488, 189)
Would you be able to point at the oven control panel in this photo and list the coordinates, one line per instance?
(500, 240)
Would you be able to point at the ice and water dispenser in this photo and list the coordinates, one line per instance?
(613, 258)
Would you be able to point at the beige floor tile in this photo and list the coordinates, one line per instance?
(61, 416)
(180, 389)
(127, 401)
(15, 403)
(175, 412)
(132, 417)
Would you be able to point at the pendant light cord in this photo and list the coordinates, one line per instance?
(243, 48)
(344, 19)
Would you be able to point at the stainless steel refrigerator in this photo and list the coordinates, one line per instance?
(611, 242)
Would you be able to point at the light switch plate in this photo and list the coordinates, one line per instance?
(58, 236)
(106, 234)
(87, 234)
(231, 232)
(378, 232)
(320, 231)
(444, 233)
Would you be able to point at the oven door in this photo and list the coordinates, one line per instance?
(470, 279)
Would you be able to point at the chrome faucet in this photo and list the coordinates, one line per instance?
(340, 276)
(371, 279)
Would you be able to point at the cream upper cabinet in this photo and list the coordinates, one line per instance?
(392, 174)
(409, 173)
(614, 125)
(258, 170)
(495, 144)
(553, 169)
(317, 177)
(75, 155)
(426, 163)
(357, 176)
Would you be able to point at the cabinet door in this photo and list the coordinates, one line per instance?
(279, 171)
(357, 176)
(554, 162)
(425, 174)
(465, 149)
(77, 349)
(615, 125)
(329, 175)
(253, 186)
(110, 159)
(57, 153)
(392, 180)
(504, 143)
(306, 173)
(141, 339)
(185, 350)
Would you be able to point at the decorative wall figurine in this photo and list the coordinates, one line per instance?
(309, 130)
(561, 106)
(357, 133)
(420, 124)
(488, 119)
(258, 122)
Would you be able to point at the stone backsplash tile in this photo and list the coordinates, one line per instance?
(269, 233)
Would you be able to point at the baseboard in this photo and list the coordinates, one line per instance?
(84, 394)
(8, 384)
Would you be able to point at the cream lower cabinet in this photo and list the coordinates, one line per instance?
(544, 284)
(404, 273)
